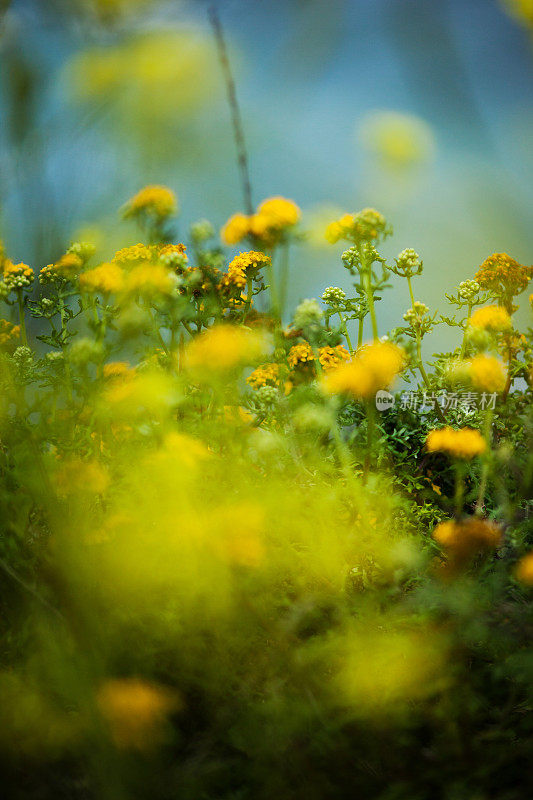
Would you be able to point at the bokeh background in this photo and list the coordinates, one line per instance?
(421, 108)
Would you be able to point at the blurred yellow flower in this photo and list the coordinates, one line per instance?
(524, 569)
(397, 140)
(487, 373)
(157, 201)
(467, 537)
(464, 443)
(236, 229)
(135, 711)
(374, 367)
(223, 347)
(491, 318)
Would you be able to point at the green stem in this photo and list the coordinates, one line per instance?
(463, 343)
(487, 432)
(360, 333)
(369, 440)
(22, 319)
(249, 289)
(459, 489)
(345, 331)
(370, 300)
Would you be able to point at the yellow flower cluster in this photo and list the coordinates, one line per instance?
(136, 252)
(264, 375)
(157, 201)
(464, 443)
(487, 373)
(17, 276)
(107, 278)
(223, 347)
(273, 216)
(463, 539)
(331, 357)
(245, 266)
(365, 226)
(491, 318)
(135, 711)
(503, 275)
(8, 332)
(374, 367)
(300, 355)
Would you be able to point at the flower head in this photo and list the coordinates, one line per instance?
(374, 367)
(17, 276)
(486, 373)
(236, 229)
(524, 570)
(491, 318)
(246, 266)
(464, 443)
(333, 296)
(300, 355)
(503, 275)
(264, 375)
(467, 537)
(367, 225)
(331, 357)
(408, 263)
(156, 201)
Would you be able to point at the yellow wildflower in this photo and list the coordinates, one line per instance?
(134, 253)
(465, 443)
(366, 225)
(491, 318)
(487, 373)
(246, 266)
(264, 375)
(374, 367)
(463, 539)
(300, 355)
(282, 212)
(223, 347)
(236, 229)
(340, 228)
(157, 201)
(524, 569)
(107, 278)
(135, 711)
(503, 275)
(17, 276)
(331, 357)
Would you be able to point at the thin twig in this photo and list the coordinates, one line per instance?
(238, 132)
